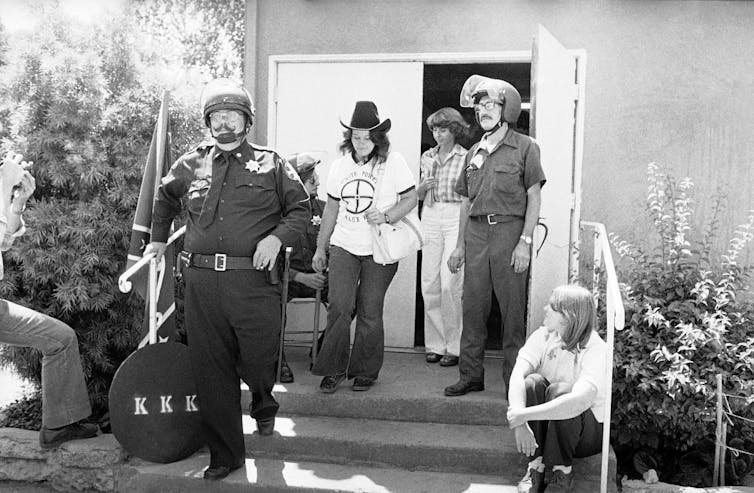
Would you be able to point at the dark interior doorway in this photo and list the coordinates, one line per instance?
(442, 87)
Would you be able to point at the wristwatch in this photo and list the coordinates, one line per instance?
(527, 239)
(387, 218)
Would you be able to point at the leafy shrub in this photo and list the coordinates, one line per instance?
(77, 107)
(25, 413)
(687, 321)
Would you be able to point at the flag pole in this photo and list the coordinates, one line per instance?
(152, 300)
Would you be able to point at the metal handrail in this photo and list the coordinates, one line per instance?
(616, 318)
(123, 281)
(125, 285)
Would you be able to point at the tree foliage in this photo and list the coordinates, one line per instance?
(77, 106)
(207, 35)
(687, 321)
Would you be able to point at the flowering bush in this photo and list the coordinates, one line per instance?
(686, 321)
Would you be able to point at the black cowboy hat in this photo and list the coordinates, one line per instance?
(365, 117)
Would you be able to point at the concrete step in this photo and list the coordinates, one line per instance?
(275, 475)
(408, 445)
(278, 476)
(408, 389)
(439, 447)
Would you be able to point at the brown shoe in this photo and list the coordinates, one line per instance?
(329, 384)
(560, 481)
(286, 375)
(362, 383)
(216, 473)
(433, 357)
(461, 388)
(533, 482)
(265, 427)
(449, 360)
(52, 438)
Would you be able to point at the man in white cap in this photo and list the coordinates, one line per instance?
(501, 183)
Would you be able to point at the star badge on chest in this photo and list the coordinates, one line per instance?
(252, 166)
(316, 220)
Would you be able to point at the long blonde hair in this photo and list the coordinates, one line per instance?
(576, 305)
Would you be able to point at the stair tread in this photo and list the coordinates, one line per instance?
(403, 375)
(280, 475)
(372, 431)
(408, 389)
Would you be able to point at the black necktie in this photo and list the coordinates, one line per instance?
(219, 171)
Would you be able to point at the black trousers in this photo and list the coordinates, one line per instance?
(560, 441)
(233, 328)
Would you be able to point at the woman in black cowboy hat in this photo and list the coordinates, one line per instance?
(355, 203)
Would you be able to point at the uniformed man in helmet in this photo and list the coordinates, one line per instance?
(501, 183)
(244, 202)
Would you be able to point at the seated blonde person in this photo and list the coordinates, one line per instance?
(557, 391)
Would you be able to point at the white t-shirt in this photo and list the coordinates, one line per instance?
(354, 186)
(544, 351)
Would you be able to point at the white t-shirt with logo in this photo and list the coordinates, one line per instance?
(544, 351)
(354, 186)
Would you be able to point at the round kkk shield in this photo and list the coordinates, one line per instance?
(153, 408)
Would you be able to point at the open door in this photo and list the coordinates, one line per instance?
(309, 99)
(553, 116)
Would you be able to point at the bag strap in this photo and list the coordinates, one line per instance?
(380, 179)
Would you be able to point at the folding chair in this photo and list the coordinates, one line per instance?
(317, 300)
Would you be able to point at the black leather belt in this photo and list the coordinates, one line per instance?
(495, 218)
(218, 262)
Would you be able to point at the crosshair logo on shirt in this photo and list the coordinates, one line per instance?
(358, 195)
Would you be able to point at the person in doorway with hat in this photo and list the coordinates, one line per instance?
(441, 289)
(366, 169)
(304, 280)
(244, 202)
(501, 181)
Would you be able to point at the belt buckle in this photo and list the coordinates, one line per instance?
(491, 221)
(220, 260)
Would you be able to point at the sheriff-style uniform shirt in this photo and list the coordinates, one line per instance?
(234, 199)
(496, 180)
(304, 248)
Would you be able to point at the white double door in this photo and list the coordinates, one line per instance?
(310, 94)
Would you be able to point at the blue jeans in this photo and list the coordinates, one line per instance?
(354, 281)
(64, 396)
(560, 441)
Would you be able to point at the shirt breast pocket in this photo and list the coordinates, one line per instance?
(508, 178)
(197, 192)
(256, 191)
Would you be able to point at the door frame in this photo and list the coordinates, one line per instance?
(448, 58)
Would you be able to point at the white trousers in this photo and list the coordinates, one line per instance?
(441, 289)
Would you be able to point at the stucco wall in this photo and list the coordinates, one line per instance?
(666, 81)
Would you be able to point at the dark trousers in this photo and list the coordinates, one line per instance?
(354, 280)
(560, 441)
(233, 329)
(488, 265)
